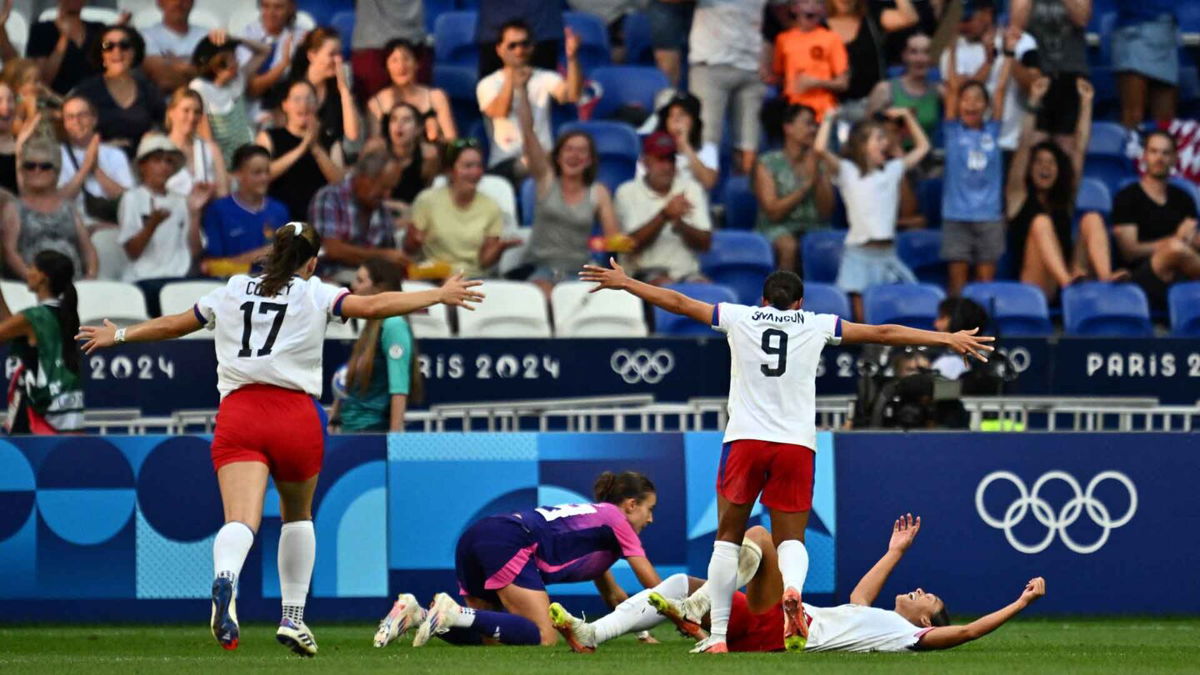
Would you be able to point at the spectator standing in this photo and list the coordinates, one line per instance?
(93, 173)
(61, 46)
(127, 104)
(418, 160)
(456, 224)
(795, 195)
(237, 228)
(697, 158)
(810, 60)
(542, 20)
(377, 23)
(980, 50)
(913, 88)
(1154, 224)
(495, 95)
(159, 229)
(665, 216)
(569, 200)
(670, 26)
(221, 82)
(301, 162)
(973, 193)
(8, 139)
(170, 44)
(1059, 26)
(400, 58)
(275, 27)
(726, 59)
(863, 26)
(1042, 185)
(351, 218)
(46, 392)
(43, 220)
(319, 61)
(202, 159)
(870, 185)
(1144, 58)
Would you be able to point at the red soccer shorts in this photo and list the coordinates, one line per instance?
(282, 428)
(754, 632)
(781, 472)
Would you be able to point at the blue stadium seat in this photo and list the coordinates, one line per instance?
(639, 49)
(1188, 187)
(626, 85)
(613, 171)
(826, 299)
(1104, 309)
(528, 200)
(343, 23)
(1100, 10)
(921, 250)
(666, 323)
(478, 131)
(594, 49)
(1111, 170)
(1188, 15)
(434, 9)
(821, 254)
(1108, 138)
(912, 305)
(929, 196)
(741, 207)
(1015, 308)
(323, 10)
(459, 84)
(615, 140)
(1107, 100)
(1189, 92)
(454, 39)
(1093, 196)
(741, 261)
(1183, 301)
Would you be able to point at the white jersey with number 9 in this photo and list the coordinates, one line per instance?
(270, 340)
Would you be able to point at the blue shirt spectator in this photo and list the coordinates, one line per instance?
(974, 173)
(237, 228)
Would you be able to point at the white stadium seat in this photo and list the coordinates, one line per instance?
(579, 313)
(116, 301)
(181, 296)
(17, 295)
(514, 257)
(111, 254)
(149, 16)
(102, 15)
(511, 309)
(433, 322)
(17, 28)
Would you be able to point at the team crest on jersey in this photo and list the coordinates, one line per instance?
(395, 352)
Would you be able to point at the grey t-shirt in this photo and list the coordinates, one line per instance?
(377, 21)
(1062, 46)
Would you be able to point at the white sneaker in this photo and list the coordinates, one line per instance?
(711, 645)
(749, 558)
(297, 637)
(406, 614)
(696, 606)
(579, 634)
(443, 611)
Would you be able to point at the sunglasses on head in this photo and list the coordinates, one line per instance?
(460, 143)
(520, 44)
(37, 166)
(109, 45)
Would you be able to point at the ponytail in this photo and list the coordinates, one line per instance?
(615, 488)
(60, 273)
(386, 277)
(295, 244)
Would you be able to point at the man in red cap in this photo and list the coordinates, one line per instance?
(666, 215)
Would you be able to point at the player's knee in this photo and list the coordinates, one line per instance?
(758, 534)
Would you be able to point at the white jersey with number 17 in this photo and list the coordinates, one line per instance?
(274, 340)
(773, 360)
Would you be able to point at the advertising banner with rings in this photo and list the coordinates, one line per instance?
(1109, 520)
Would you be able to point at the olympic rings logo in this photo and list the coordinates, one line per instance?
(1056, 523)
(641, 365)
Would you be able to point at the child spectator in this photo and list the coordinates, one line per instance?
(221, 83)
(404, 139)
(811, 60)
(237, 228)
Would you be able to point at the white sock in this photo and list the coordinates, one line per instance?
(793, 563)
(230, 549)
(635, 614)
(722, 578)
(749, 551)
(297, 551)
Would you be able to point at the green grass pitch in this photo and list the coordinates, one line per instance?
(1033, 645)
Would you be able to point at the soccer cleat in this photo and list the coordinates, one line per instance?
(296, 636)
(795, 626)
(224, 621)
(406, 614)
(687, 626)
(579, 634)
(439, 619)
(710, 645)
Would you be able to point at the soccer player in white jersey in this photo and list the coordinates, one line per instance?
(771, 435)
(270, 332)
(916, 621)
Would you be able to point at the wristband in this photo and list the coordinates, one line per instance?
(119, 338)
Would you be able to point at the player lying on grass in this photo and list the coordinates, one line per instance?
(504, 562)
(917, 621)
(771, 438)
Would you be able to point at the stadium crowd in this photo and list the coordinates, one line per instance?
(160, 146)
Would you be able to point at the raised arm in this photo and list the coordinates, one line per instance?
(456, 291)
(1083, 126)
(821, 144)
(921, 144)
(964, 342)
(946, 637)
(535, 154)
(1015, 192)
(572, 86)
(1001, 92)
(904, 530)
(903, 16)
(672, 301)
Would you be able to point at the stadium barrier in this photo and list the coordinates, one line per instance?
(121, 528)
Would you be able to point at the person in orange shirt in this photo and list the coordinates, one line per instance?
(811, 60)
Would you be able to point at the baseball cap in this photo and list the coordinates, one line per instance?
(659, 144)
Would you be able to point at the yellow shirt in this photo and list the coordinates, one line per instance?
(454, 235)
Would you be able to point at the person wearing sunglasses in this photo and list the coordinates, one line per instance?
(41, 219)
(495, 95)
(127, 104)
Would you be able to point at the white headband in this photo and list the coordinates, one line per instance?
(297, 227)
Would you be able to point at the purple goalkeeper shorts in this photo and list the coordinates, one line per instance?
(494, 553)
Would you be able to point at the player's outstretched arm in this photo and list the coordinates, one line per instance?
(904, 530)
(162, 328)
(965, 342)
(672, 301)
(456, 291)
(946, 637)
